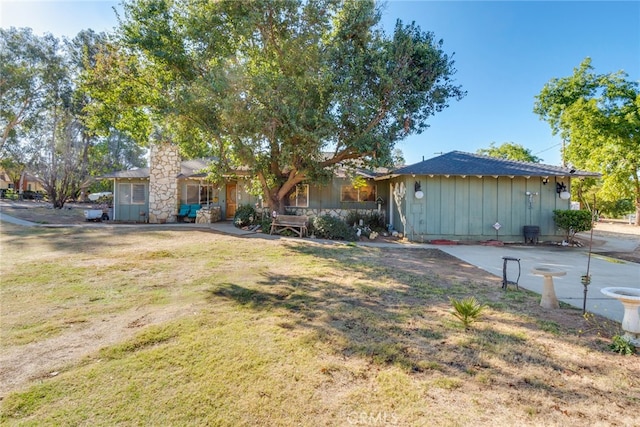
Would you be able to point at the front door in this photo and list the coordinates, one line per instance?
(232, 200)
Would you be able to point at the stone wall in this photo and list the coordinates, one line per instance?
(163, 183)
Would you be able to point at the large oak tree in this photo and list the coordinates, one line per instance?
(598, 115)
(288, 88)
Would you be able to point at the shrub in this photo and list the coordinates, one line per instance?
(10, 194)
(328, 227)
(245, 215)
(467, 310)
(622, 345)
(374, 221)
(265, 224)
(572, 222)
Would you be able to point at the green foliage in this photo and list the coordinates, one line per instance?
(622, 345)
(510, 151)
(549, 326)
(597, 114)
(305, 76)
(10, 194)
(572, 221)
(617, 208)
(47, 108)
(374, 220)
(265, 225)
(29, 68)
(245, 215)
(328, 227)
(467, 310)
(105, 200)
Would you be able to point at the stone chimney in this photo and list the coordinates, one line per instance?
(164, 168)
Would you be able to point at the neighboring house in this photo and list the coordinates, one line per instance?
(5, 181)
(29, 183)
(461, 196)
(155, 194)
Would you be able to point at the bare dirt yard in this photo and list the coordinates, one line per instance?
(564, 371)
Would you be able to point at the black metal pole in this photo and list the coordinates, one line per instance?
(586, 280)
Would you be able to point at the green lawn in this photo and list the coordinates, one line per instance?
(282, 332)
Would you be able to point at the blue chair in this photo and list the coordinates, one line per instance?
(193, 210)
(184, 211)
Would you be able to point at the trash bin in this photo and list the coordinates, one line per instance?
(531, 233)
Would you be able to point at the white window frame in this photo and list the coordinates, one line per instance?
(131, 193)
(214, 191)
(294, 196)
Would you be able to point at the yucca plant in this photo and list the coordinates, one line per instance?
(467, 310)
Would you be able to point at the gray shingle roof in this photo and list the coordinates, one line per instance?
(131, 173)
(458, 163)
(192, 168)
(188, 168)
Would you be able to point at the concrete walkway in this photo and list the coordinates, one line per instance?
(17, 221)
(604, 271)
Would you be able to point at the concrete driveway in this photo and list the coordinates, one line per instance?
(604, 271)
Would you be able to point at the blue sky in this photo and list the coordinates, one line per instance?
(505, 51)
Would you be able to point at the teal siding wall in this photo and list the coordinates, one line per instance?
(125, 211)
(465, 208)
(490, 214)
(476, 197)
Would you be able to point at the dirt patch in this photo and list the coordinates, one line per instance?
(47, 358)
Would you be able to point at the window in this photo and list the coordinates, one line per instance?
(200, 194)
(348, 193)
(299, 198)
(193, 194)
(131, 194)
(206, 194)
(137, 194)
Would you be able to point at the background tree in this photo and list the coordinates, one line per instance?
(25, 79)
(398, 158)
(509, 151)
(599, 117)
(288, 88)
(43, 111)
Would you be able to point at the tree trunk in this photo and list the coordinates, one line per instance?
(275, 203)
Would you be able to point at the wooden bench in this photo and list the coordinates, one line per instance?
(295, 223)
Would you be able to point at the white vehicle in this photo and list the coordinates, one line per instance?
(95, 196)
(95, 215)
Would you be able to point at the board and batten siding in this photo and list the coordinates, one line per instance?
(466, 208)
(130, 209)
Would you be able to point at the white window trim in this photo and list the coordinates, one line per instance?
(306, 186)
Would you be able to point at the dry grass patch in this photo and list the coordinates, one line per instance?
(204, 329)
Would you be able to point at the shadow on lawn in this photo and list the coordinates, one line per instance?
(75, 239)
(406, 321)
